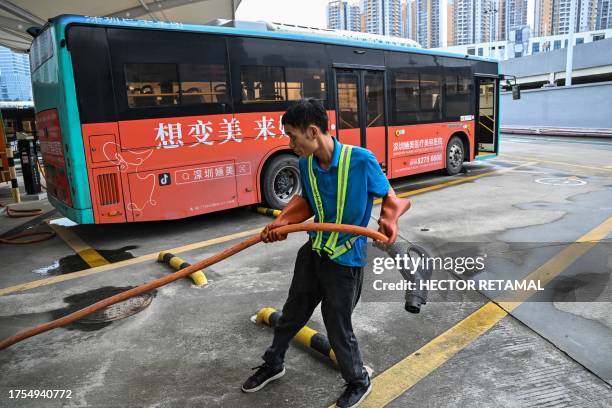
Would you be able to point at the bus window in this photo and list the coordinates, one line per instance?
(263, 84)
(374, 95)
(406, 97)
(41, 49)
(457, 97)
(152, 85)
(430, 90)
(203, 84)
(305, 83)
(348, 100)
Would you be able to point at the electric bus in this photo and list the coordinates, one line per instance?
(149, 120)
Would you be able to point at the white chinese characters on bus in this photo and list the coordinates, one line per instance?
(231, 130)
(201, 131)
(265, 127)
(169, 135)
(417, 144)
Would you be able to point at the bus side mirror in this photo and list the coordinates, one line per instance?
(516, 92)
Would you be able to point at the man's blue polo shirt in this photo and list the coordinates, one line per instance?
(365, 181)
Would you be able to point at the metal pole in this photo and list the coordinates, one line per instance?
(570, 44)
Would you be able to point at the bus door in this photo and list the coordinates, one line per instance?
(361, 110)
(486, 115)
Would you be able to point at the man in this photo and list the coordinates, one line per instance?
(339, 185)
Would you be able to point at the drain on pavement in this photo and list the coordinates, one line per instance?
(108, 315)
(119, 310)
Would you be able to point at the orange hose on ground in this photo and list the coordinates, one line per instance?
(18, 239)
(21, 213)
(205, 263)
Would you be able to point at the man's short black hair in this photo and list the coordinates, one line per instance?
(306, 112)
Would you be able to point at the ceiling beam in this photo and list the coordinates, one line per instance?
(17, 41)
(144, 6)
(14, 46)
(14, 24)
(139, 11)
(21, 13)
(20, 34)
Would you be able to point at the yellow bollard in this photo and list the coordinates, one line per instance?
(13, 175)
(306, 336)
(271, 212)
(198, 277)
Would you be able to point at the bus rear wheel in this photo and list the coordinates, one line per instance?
(281, 180)
(455, 152)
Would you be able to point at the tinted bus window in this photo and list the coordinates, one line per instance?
(263, 84)
(166, 73)
(268, 74)
(374, 95)
(347, 100)
(171, 84)
(430, 89)
(457, 99)
(152, 85)
(278, 84)
(406, 97)
(203, 83)
(92, 73)
(418, 98)
(41, 50)
(305, 83)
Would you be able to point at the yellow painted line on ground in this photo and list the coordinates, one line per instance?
(398, 379)
(558, 263)
(128, 262)
(82, 249)
(457, 181)
(603, 168)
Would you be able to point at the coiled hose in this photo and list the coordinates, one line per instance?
(205, 263)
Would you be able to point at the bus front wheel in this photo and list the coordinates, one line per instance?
(454, 156)
(281, 180)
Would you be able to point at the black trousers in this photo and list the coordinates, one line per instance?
(316, 279)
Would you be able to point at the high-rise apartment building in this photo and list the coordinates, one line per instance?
(552, 17)
(543, 18)
(408, 19)
(501, 20)
(473, 20)
(15, 84)
(428, 23)
(450, 23)
(413, 18)
(343, 16)
(515, 14)
(604, 15)
(586, 15)
(382, 17)
(561, 16)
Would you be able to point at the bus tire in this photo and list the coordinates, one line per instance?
(280, 180)
(455, 153)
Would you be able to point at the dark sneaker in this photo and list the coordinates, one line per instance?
(353, 395)
(262, 376)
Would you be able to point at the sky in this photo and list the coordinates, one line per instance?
(303, 12)
(311, 13)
